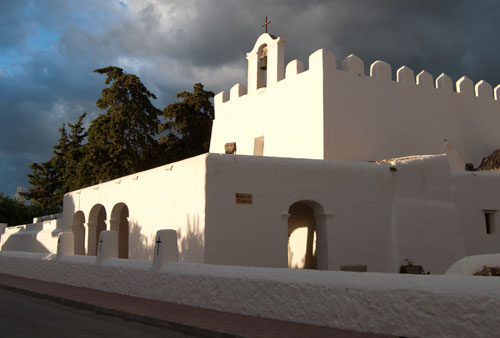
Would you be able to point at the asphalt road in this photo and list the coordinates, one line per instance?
(23, 316)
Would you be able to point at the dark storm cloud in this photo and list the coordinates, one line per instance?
(456, 37)
(49, 49)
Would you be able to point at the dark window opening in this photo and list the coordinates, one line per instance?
(489, 220)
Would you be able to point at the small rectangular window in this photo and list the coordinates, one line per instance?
(489, 220)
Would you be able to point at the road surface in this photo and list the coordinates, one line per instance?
(22, 316)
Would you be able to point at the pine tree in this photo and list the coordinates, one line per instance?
(50, 180)
(77, 174)
(47, 179)
(122, 141)
(45, 187)
(58, 167)
(189, 124)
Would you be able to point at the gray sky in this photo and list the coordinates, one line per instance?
(49, 48)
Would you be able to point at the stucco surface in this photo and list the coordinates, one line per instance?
(427, 209)
(36, 237)
(326, 112)
(352, 200)
(373, 214)
(318, 127)
(475, 192)
(168, 197)
(376, 214)
(450, 306)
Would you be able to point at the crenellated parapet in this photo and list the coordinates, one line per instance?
(323, 59)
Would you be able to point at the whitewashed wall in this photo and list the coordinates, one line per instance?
(371, 214)
(391, 114)
(356, 199)
(341, 113)
(36, 237)
(473, 193)
(287, 113)
(168, 197)
(375, 216)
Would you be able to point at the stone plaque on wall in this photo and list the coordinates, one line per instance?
(230, 148)
(241, 198)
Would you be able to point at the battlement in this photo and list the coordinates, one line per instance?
(379, 71)
(347, 111)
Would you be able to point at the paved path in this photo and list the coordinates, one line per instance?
(189, 319)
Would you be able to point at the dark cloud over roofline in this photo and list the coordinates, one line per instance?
(49, 49)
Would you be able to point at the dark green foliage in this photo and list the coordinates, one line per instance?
(45, 187)
(47, 179)
(14, 212)
(56, 170)
(77, 174)
(50, 180)
(122, 141)
(189, 124)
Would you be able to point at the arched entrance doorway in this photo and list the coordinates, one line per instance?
(119, 223)
(307, 242)
(97, 224)
(301, 237)
(78, 229)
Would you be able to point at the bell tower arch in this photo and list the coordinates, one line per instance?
(266, 62)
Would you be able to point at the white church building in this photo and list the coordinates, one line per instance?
(326, 167)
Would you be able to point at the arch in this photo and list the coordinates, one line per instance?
(96, 224)
(314, 198)
(275, 72)
(78, 228)
(262, 53)
(119, 223)
(266, 39)
(307, 243)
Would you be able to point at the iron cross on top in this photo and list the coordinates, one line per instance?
(266, 23)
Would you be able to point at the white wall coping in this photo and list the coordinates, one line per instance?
(467, 266)
(28, 255)
(401, 305)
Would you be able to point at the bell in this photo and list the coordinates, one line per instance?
(263, 63)
(263, 59)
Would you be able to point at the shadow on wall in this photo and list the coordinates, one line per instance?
(140, 246)
(191, 241)
(24, 242)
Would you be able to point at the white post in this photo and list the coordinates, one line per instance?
(3, 226)
(65, 245)
(90, 240)
(107, 246)
(166, 249)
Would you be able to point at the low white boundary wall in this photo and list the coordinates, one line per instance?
(401, 305)
(469, 265)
